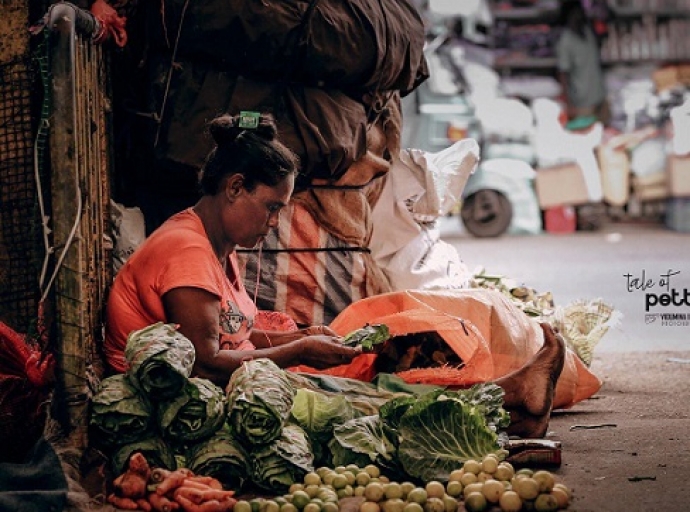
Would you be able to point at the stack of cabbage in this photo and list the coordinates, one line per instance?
(270, 427)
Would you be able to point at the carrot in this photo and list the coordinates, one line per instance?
(191, 493)
(158, 475)
(144, 504)
(122, 502)
(207, 506)
(214, 494)
(171, 482)
(162, 503)
(214, 483)
(191, 482)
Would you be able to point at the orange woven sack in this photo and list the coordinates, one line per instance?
(488, 332)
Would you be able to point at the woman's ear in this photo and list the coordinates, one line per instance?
(234, 186)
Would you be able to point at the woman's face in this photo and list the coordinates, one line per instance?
(252, 215)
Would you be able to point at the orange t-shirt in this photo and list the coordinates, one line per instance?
(178, 254)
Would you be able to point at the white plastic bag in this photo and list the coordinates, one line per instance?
(421, 187)
(129, 231)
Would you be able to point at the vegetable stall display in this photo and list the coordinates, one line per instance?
(271, 428)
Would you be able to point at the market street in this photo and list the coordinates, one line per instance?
(589, 265)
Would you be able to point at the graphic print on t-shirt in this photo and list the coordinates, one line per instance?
(231, 318)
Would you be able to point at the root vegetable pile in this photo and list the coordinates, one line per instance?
(141, 487)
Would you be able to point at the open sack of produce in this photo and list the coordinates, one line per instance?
(480, 327)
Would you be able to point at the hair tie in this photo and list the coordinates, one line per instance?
(248, 120)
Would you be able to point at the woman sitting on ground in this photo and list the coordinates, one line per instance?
(186, 273)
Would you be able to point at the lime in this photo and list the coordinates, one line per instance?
(510, 502)
(490, 464)
(456, 475)
(300, 499)
(527, 488)
(468, 478)
(417, 495)
(561, 497)
(392, 490)
(270, 506)
(362, 478)
(545, 480)
(374, 491)
(373, 470)
(546, 503)
(412, 506)
(475, 487)
(285, 507)
(450, 503)
(243, 506)
(434, 505)
(329, 506)
(435, 489)
(492, 490)
(339, 481)
(472, 466)
(393, 505)
(312, 507)
(475, 502)
(312, 478)
(296, 487)
(454, 488)
(369, 506)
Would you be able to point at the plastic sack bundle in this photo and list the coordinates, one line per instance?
(195, 413)
(119, 414)
(221, 457)
(260, 398)
(357, 45)
(160, 360)
(420, 188)
(489, 333)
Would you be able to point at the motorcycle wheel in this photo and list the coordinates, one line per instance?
(486, 213)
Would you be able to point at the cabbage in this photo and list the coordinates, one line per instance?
(260, 399)
(286, 460)
(439, 433)
(196, 413)
(362, 437)
(221, 457)
(119, 415)
(160, 359)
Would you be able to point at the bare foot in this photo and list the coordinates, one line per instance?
(529, 390)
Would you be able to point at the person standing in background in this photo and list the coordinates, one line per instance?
(579, 65)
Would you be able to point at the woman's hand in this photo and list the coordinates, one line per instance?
(323, 351)
(316, 330)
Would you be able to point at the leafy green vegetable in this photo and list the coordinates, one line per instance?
(119, 414)
(439, 433)
(196, 413)
(221, 457)
(160, 359)
(286, 460)
(366, 435)
(367, 336)
(488, 398)
(157, 453)
(260, 399)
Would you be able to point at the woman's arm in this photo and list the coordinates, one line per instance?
(197, 313)
(265, 339)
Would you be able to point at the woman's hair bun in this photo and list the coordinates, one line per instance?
(225, 129)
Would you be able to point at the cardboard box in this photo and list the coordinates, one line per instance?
(679, 176)
(561, 185)
(614, 163)
(650, 187)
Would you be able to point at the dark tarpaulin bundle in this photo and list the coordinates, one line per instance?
(359, 45)
(221, 457)
(324, 127)
(160, 360)
(119, 413)
(197, 412)
(286, 460)
(260, 399)
(157, 452)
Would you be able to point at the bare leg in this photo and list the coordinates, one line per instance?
(529, 390)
